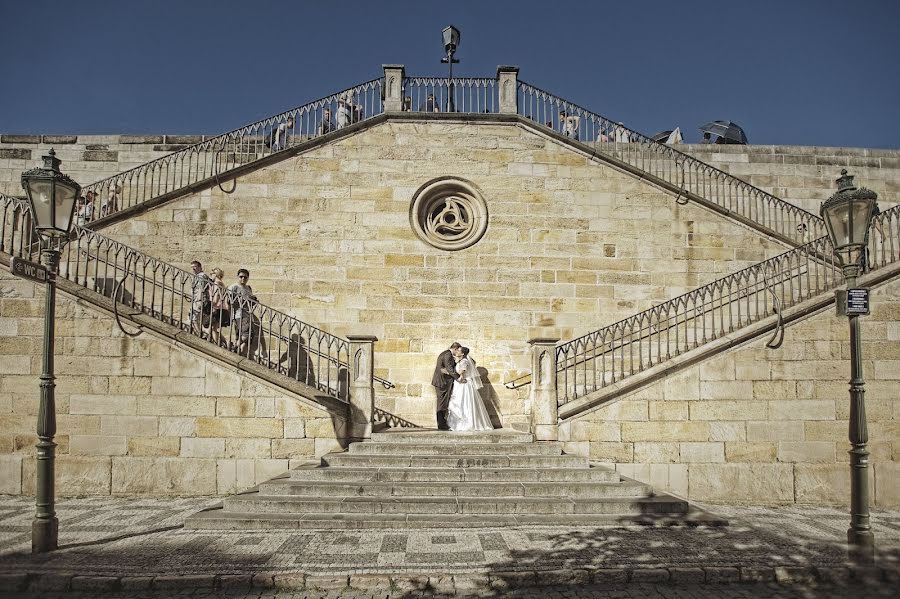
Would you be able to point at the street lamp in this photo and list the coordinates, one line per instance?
(51, 196)
(847, 216)
(451, 43)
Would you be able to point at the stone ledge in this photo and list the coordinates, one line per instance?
(450, 582)
(20, 139)
(141, 139)
(59, 139)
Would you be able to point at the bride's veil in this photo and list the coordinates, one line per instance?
(472, 373)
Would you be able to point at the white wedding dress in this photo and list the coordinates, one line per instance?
(466, 411)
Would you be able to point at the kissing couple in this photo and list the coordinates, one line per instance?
(459, 404)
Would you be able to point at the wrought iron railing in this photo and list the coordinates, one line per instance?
(654, 336)
(392, 420)
(462, 94)
(212, 159)
(785, 220)
(178, 298)
(209, 161)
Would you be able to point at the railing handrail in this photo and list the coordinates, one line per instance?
(678, 156)
(424, 79)
(216, 156)
(720, 282)
(136, 259)
(732, 295)
(882, 250)
(383, 382)
(211, 142)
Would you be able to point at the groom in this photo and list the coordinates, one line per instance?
(442, 380)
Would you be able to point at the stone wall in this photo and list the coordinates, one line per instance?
(803, 175)
(85, 158)
(139, 416)
(757, 425)
(571, 246)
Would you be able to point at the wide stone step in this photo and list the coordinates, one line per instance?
(371, 475)
(510, 449)
(360, 460)
(287, 504)
(459, 489)
(219, 519)
(436, 437)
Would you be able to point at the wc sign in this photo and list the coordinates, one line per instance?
(29, 270)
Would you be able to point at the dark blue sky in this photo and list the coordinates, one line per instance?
(804, 72)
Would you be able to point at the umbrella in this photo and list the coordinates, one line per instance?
(731, 133)
(662, 136)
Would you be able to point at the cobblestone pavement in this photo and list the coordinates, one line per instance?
(137, 548)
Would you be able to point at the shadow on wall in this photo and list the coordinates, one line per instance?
(299, 363)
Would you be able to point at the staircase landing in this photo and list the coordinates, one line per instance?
(424, 478)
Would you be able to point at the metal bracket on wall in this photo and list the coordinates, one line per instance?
(681, 199)
(778, 336)
(216, 163)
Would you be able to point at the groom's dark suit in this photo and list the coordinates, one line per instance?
(443, 383)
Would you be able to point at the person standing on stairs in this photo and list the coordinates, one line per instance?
(280, 134)
(442, 380)
(199, 296)
(242, 303)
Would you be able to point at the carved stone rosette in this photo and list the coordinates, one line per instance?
(449, 213)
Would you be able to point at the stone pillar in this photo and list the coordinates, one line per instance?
(393, 87)
(544, 409)
(507, 79)
(362, 390)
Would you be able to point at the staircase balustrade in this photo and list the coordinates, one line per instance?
(728, 193)
(218, 158)
(659, 334)
(138, 282)
(467, 95)
(211, 160)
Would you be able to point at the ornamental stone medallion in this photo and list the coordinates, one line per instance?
(449, 213)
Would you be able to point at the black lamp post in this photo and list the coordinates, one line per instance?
(51, 196)
(847, 216)
(451, 43)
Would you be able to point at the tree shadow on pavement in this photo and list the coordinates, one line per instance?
(738, 556)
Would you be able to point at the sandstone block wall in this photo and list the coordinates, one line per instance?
(757, 425)
(139, 416)
(85, 158)
(571, 246)
(804, 175)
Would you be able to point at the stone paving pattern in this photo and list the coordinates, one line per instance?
(137, 545)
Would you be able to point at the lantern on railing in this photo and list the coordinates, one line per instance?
(52, 196)
(451, 43)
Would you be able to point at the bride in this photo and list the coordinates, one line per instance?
(466, 411)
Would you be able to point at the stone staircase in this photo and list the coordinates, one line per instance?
(421, 478)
